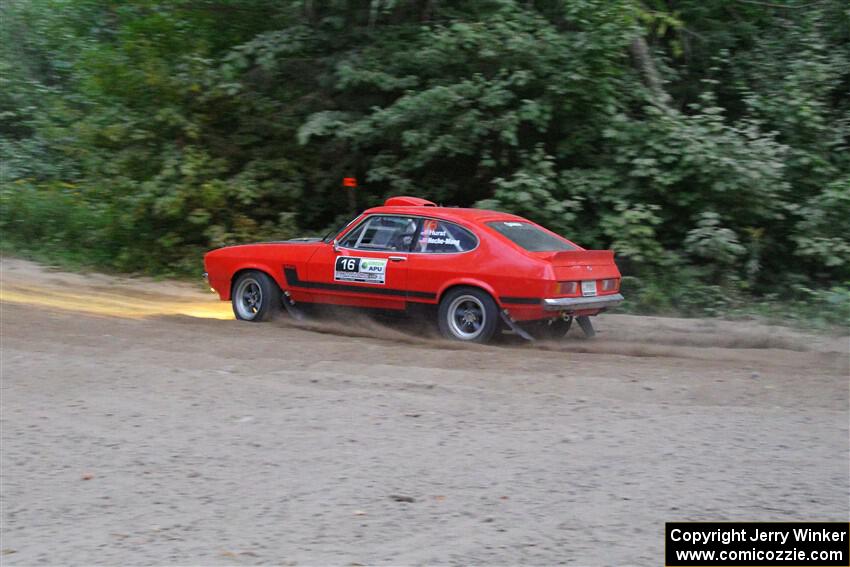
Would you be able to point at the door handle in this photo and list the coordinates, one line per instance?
(397, 258)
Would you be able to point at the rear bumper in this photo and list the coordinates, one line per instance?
(582, 303)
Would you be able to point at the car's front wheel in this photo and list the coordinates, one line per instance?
(255, 297)
(468, 314)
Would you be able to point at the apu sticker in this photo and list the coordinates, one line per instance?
(362, 270)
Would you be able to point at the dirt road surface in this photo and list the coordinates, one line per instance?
(141, 425)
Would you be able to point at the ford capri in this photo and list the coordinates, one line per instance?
(477, 271)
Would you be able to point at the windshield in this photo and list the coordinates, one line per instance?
(333, 233)
(530, 237)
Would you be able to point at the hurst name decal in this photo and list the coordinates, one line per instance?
(362, 270)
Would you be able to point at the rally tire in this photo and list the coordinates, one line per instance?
(468, 314)
(255, 297)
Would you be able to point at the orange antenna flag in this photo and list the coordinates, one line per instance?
(349, 182)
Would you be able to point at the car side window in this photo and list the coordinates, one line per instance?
(389, 233)
(442, 237)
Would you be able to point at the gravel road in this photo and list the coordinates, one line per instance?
(141, 426)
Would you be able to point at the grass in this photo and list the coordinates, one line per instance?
(54, 225)
(825, 311)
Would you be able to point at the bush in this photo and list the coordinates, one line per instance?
(53, 220)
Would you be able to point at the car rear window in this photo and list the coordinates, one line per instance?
(530, 237)
(441, 237)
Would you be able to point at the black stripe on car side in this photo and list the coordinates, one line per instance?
(520, 300)
(291, 276)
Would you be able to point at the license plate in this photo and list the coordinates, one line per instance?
(588, 287)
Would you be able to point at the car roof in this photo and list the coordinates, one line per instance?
(446, 213)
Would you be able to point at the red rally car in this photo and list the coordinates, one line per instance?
(481, 271)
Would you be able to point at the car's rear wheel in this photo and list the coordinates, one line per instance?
(468, 314)
(255, 297)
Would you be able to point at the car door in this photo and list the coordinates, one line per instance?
(368, 266)
(442, 253)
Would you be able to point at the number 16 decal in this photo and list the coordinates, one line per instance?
(362, 270)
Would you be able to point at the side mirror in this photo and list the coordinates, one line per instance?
(335, 245)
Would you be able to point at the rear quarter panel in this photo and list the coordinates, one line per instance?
(502, 271)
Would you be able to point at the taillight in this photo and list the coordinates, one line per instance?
(567, 288)
(609, 285)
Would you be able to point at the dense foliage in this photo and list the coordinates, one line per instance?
(706, 141)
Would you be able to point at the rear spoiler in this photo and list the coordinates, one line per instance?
(582, 257)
